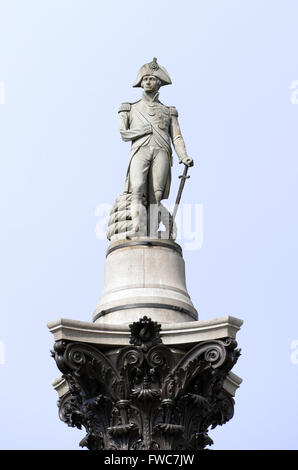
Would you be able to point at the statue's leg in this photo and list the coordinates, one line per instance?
(160, 171)
(139, 168)
(158, 178)
(152, 208)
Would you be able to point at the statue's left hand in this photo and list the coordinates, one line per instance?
(188, 161)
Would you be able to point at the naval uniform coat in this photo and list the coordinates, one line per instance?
(165, 131)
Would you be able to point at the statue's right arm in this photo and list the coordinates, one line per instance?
(126, 132)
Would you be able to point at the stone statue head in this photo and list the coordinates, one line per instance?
(150, 83)
(152, 69)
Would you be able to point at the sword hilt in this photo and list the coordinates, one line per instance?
(184, 177)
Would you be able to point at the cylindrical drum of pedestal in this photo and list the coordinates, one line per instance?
(144, 277)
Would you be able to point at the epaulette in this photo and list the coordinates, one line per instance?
(173, 111)
(124, 107)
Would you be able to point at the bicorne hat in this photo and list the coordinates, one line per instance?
(153, 68)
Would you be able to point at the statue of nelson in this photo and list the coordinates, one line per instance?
(152, 128)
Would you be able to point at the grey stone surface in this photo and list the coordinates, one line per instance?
(151, 279)
(116, 335)
(232, 383)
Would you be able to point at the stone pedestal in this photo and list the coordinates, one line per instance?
(145, 374)
(144, 277)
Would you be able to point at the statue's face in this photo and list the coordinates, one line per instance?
(150, 83)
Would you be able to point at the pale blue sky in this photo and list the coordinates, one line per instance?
(66, 66)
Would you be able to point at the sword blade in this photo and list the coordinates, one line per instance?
(178, 198)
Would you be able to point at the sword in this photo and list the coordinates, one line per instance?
(178, 198)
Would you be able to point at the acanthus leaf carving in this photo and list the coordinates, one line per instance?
(149, 397)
